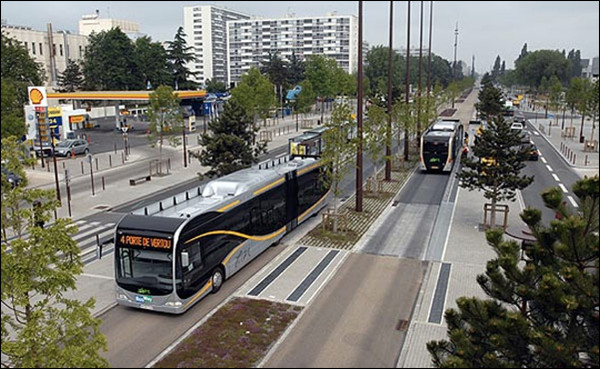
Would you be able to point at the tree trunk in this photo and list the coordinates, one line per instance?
(581, 129)
(335, 209)
(493, 215)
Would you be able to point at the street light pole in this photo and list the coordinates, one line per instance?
(388, 144)
(55, 166)
(359, 116)
(184, 150)
(37, 118)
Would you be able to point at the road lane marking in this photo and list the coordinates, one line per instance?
(555, 177)
(549, 168)
(543, 160)
(562, 187)
(535, 133)
(572, 201)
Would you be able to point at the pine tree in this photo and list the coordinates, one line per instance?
(496, 167)
(179, 55)
(544, 312)
(41, 328)
(490, 100)
(231, 145)
(72, 78)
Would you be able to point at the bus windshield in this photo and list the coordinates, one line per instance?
(145, 271)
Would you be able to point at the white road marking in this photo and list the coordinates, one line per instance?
(562, 187)
(572, 201)
(543, 160)
(549, 168)
(555, 177)
(535, 133)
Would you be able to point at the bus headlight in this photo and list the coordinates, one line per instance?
(173, 304)
(121, 296)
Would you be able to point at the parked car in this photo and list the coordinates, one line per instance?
(68, 147)
(44, 150)
(11, 177)
(532, 150)
(517, 126)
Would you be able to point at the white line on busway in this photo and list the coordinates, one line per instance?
(555, 177)
(90, 232)
(549, 168)
(562, 187)
(535, 133)
(543, 160)
(539, 152)
(86, 226)
(572, 201)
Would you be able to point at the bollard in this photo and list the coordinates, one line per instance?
(63, 163)
(98, 248)
(115, 148)
(150, 169)
(82, 167)
(103, 186)
(96, 164)
(574, 158)
(47, 164)
(586, 160)
(168, 164)
(110, 160)
(122, 158)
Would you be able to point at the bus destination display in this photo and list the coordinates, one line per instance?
(145, 242)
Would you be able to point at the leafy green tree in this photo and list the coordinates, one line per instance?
(277, 71)
(591, 105)
(523, 53)
(179, 55)
(110, 62)
(151, 63)
(583, 104)
(542, 63)
(71, 79)
(496, 68)
(296, 70)
(215, 86)
(496, 167)
(18, 71)
(542, 313)
(377, 136)
(164, 116)
(40, 327)
(575, 58)
(231, 144)
(376, 69)
(321, 72)
(555, 95)
(338, 154)
(574, 95)
(306, 98)
(255, 94)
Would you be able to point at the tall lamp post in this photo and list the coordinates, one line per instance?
(54, 161)
(359, 117)
(388, 148)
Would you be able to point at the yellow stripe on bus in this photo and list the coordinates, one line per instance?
(238, 234)
(228, 206)
(200, 293)
(302, 171)
(312, 207)
(280, 180)
(226, 260)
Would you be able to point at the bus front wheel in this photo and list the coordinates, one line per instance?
(217, 279)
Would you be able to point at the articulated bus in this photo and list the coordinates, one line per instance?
(169, 256)
(440, 145)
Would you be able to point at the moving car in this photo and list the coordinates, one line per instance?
(517, 126)
(68, 147)
(44, 150)
(532, 150)
(11, 177)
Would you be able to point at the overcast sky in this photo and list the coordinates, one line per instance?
(486, 29)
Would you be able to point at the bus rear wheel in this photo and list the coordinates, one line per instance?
(217, 280)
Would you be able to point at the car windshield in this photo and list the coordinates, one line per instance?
(65, 144)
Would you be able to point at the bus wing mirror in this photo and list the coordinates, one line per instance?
(185, 259)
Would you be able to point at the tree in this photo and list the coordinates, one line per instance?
(583, 104)
(255, 94)
(490, 102)
(555, 95)
(338, 153)
(376, 69)
(215, 86)
(591, 106)
(575, 58)
(321, 72)
(151, 63)
(574, 95)
(296, 70)
(18, 71)
(496, 171)
(305, 99)
(523, 53)
(542, 313)
(40, 327)
(277, 71)
(376, 137)
(496, 69)
(179, 55)
(109, 62)
(164, 115)
(542, 63)
(230, 146)
(71, 79)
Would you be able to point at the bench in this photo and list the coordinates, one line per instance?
(134, 181)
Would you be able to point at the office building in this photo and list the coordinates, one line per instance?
(93, 23)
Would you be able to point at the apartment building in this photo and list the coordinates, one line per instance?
(205, 29)
(93, 23)
(251, 41)
(52, 49)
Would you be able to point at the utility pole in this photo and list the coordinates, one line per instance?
(407, 93)
(184, 149)
(388, 144)
(359, 116)
(420, 77)
(55, 166)
(473, 67)
(429, 62)
(455, 44)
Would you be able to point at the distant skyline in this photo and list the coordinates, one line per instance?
(486, 29)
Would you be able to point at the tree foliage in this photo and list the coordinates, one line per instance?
(179, 55)
(151, 63)
(542, 63)
(255, 94)
(164, 116)
(110, 62)
(13, 121)
(230, 144)
(71, 79)
(490, 102)
(40, 327)
(544, 312)
(213, 86)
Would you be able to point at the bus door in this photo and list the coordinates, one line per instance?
(291, 180)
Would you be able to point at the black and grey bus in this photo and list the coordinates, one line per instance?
(440, 145)
(171, 254)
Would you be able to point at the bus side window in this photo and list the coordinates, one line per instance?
(195, 256)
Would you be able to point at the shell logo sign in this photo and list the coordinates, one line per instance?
(37, 96)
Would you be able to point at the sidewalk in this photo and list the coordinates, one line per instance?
(563, 136)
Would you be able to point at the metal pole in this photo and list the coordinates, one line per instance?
(68, 193)
(420, 77)
(55, 166)
(429, 61)
(359, 117)
(37, 118)
(388, 143)
(184, 151)
(406, 143)
(92, 177)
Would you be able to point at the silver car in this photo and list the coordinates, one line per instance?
(69, 147)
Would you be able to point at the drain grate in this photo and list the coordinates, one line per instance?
(101, 207)
(402, 325)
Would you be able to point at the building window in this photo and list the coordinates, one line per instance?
(33, 48)
(80, 52)
(41, 52)
(53, 49)
(61, 50)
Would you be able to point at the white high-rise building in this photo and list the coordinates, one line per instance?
(251, 41)
(93, 23)
(205, 27)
